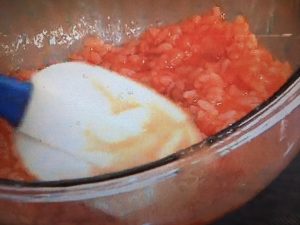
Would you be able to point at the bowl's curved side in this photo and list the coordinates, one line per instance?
(208, 181)
(202, 186)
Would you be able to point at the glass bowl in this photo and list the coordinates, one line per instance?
(193, 186)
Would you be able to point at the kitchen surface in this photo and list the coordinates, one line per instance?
(278, 204)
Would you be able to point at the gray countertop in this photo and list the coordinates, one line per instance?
(278, 204)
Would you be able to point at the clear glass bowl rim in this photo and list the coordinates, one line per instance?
(65, 185)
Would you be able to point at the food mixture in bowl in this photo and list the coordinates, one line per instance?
(213, 69)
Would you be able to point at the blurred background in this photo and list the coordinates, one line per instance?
(279, 204)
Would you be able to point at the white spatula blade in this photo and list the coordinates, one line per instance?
(100, 118)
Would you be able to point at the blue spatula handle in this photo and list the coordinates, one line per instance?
(14, 97)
